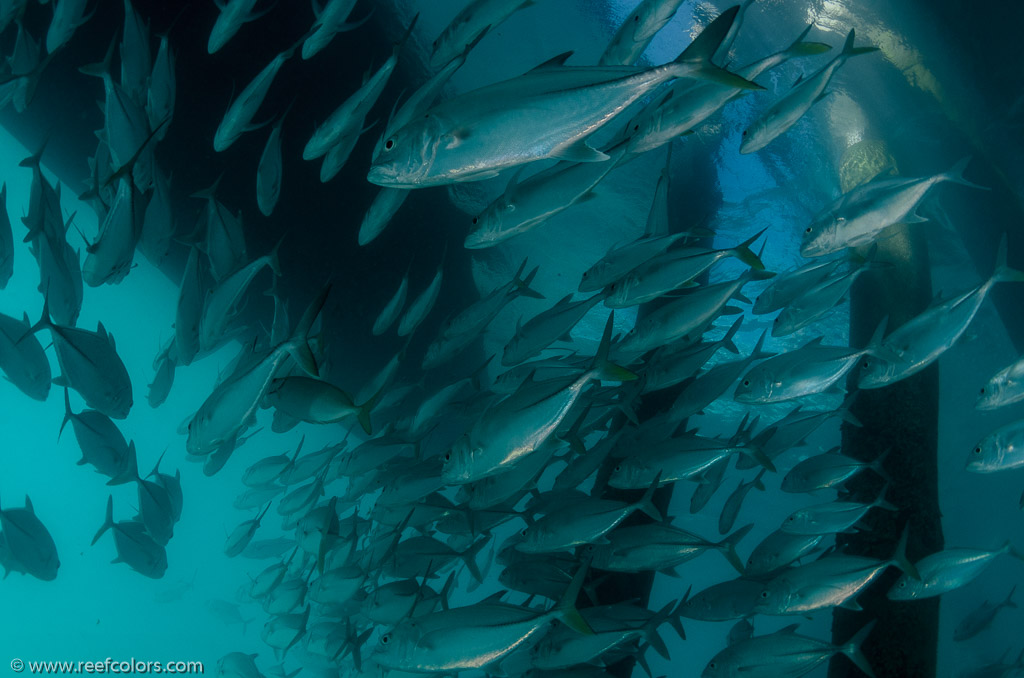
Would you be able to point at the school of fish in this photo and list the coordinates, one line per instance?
(535, 468)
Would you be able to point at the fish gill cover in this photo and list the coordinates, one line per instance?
(408, 337)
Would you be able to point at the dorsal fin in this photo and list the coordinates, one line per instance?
(558, 60)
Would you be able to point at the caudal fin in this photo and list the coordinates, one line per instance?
(298, 344)
(1003, 272)
(801, 48)
(956, 174)
(646, 503)
(853, 648)
(728, 547)
(603, 368)
(521, 286)
(108, 521)
(566, 607)
(850, 51)
(746, 255)
(900, 560)
(695, 61)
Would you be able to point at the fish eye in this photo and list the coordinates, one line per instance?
(389, 144)
(764, 594)
(982, 390)
(746, 382)
(809, 229)
(385, 639)
(744, 132)
(618, 467)
(522, 532)
(903, 584)
(475, 220)
(636, 127)
(448, 456)
(711, 665)
(977, 450)
(636, 17)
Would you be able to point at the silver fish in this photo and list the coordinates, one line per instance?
(29, 543)
(134, 546)
(946, 571)
(637, 30)
(784, 113)
(859, 216)
(1005, 388)
(556, 107)
(784, 653)
(238, 118)
(982, 617)
(233, 13)
(920, 341)
(1000, 450)
(89, 363)
(22, 358)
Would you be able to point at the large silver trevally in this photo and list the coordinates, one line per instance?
(673, 270)
(469, 25)
(68, 15)
(637, 30)
(421, 306)
(808, 370)
(89, 363)
(22, 358)
(946, 571)
(545, 328)
(831, 581)
(221, 303)
(109, 258)
(268, 172)
(828, 470)
(687, 104)
(472, 637)
(101, 443)
(790, 285)
(242, 110)
(920, 341)
(518, 425)
(982, 617)
(832, 517)
(345, 124)
(331, 20)
(529, 203)
(784, 113)
(553, 108)
(1000, 450)
(586, 521)
(462, 329)
(689, 312)
(619, 261)
(29, 542)
(230, 408)
(784, 653)
(859, 216)
(134, 546)
(1005, 388)
(233, 13)
(780, 549)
